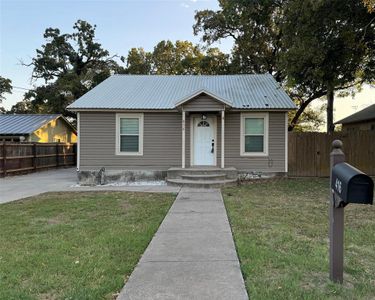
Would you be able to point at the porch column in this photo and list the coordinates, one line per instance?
(183, 139)
(222, 137)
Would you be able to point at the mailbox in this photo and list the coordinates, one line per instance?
(351, 185)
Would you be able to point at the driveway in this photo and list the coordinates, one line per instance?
(18, 187)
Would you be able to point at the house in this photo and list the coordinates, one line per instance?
(361, 120)
(36, 128)
(187, 128)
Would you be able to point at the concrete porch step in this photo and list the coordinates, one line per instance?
(202, 183)
(204, 177)
(195, 172)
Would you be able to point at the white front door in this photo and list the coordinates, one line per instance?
(204, 142)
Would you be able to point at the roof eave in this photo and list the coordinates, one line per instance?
(343, 122)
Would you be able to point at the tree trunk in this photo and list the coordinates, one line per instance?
(299, 112)
(330, 99)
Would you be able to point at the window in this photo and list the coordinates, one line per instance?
(203, 124)
(129, 134)
(254, 134)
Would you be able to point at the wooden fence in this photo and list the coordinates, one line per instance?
(18, 158)
(308, 152)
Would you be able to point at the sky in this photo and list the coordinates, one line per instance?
(121, 25)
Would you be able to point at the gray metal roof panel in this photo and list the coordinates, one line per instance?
(365, 114)
(23, 124)
(259, 91)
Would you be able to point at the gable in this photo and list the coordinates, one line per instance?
(58, 129)
(203, 102)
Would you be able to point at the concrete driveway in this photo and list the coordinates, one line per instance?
(18, 187)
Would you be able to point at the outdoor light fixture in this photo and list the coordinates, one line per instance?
(204, 117)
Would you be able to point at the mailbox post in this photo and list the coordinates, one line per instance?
(347, 185)
(336, 223)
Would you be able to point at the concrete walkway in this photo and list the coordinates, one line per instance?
(192, 255)
(17, 187)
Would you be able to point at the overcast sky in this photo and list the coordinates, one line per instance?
(121, 25)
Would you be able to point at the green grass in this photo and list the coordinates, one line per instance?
(75, 245)
(281, 233)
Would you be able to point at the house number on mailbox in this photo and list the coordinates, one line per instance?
(338, 185)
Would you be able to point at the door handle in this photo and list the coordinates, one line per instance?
(212, 146)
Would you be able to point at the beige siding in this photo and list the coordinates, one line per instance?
(203, 103)
(161, 143)
(275, 162)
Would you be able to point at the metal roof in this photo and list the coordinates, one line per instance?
(363, 115)
(23, 124)
(260, 91)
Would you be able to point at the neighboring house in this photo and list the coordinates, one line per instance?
(361, 120)
(141, 126)
(36, 128)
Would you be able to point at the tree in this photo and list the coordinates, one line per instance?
(5, 88)
(138, 61)
(70, 65)
(215, 62)
(255, 28)
(22, 107)
(330, 46)
(179, 58)
(370, 5)
(310, 120)
(263, 38)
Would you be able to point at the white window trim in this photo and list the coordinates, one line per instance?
(129, 115)
(265, 116)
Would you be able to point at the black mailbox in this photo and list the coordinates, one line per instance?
(351, 185)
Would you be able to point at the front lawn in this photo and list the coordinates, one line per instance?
(75, 245)
(281, 233)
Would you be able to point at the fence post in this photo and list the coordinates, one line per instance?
(57, 155)
(75, 147)
(336, 222)
(4, 159)
(34, 157)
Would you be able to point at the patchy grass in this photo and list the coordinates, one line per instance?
(75, 245)
(281, 233)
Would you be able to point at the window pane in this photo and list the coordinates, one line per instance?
(254, 144)
(129, 143)
(129, 125)
(254, 126)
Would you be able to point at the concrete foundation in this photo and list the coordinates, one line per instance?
(244, 175)
(203, 176)
(104, 176)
